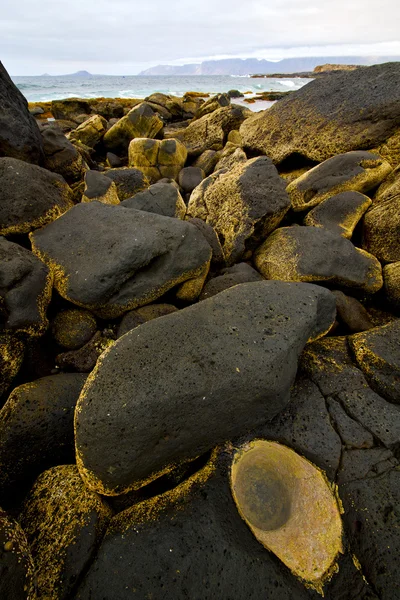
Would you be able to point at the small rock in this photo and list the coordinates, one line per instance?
(160, 198)
(73, 328)
(340, 213)
(99, 187)
(90, 132)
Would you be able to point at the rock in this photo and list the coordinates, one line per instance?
(90, 132)
(128, 181)
(354, 171)
(231, 155)
(371, 512)
(17, 571)
(248, 201)
(352, 313)
(235, 137)
(322, 119)
(340, 213)
(169, 104)
(69, 108)
(209, 132)
(240, 273)
(314, 254)
(72, 328)
(377, 353)
(61, 156)
(109, 108)
(160, 198)
(305, 425)
(207, 161)
(19, 133)
(290, 508)
(30, 196)
(157, 158)
(212, 238)
(391, 279)
(113, 160)
(64, 523)
(11, 357)
(190, 177)
(99, 187)
(351, 433)
(140, 122)
(191, 371)
(235, 94)
(212, 104)
(381, 230)
(25, 289)
(111, 259)
(136, 317)
(84, 359)
(35, 111)
(389, 188)
(152, 548)
(37, 430)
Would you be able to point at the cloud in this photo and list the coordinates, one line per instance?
(110, 37)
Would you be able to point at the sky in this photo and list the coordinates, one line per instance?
(123, 37)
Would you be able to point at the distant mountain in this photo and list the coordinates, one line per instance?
(78, 74)
(250, 66)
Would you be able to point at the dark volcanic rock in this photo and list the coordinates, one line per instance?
(69, 108)
(111, 259)
(357, 110)
(19, 133)
(161, 198)
(25, 289)
(84, 359)
(64, 523)
(314, 254)
(190, 177)
(11, 357)
(30, 196)
(187, 381)
(61, 156)
(352, 313)
(73, 328)
(340, 213)
(240, 273)
(136, 317)
(128, 181)
(101, 188)
(17, 573)
(36, 429)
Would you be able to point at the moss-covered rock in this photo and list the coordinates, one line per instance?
(17, 571)
(140, 122)
(72, 328)
(207, 161)
(61, 156)
(30, 196)
(352, 313)
(99, 187)
(64, 522)
(314, 254)
(90, 132)
(69, 108)
(161, 198)
(381, 230)
(212, 104)
(339, 213)
(353, 171)
(11, 357)
(357, 110)
(391, 280)
(128, 181)
(111, 259)
(230, 156)
(157, 158)
(248, 201)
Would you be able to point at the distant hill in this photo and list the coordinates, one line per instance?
(77, 74)
(249, 66)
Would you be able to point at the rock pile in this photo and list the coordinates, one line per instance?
(199, 345)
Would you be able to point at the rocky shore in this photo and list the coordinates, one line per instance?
(200, 345)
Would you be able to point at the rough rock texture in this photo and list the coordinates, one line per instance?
(157, 158)
(99, 187)
(190, 177)
(72, 328)
(30, 196)
(25, 289)
(161, 198)
(69, 108)
(212, 104)
(207, 161)
(354, 171)
(140, 122)
(381, 230)
(391, 277)
(230, 158)
(218, 258)
(248, 201)
(128, 181)
(84, 359)
(389, 188)
(62, 547)
(36, 429)
(111, 259)
(358, 110)
(11, 357)
(90, 132)
(314, 254)
(61, 156)
(210, 132)
(208, 372)
(19, 133)
(340, 213)
(240, 273)
(377, 353)
(188, 543)
(136, 317)
(17, 572)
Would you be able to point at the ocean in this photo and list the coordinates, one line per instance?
(45, 87)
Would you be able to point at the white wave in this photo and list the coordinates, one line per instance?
(287, 83)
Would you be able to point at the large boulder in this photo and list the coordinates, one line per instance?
(111, 259)
(357, 110)
(185, 382)
(314, 254)
(248, 201)
(157, 158)
(25, 289)
(61, 156)
(30, 196)
(352, 171)
(19, 133)
(140, 122)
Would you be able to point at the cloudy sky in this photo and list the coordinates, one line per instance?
(125, 36)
